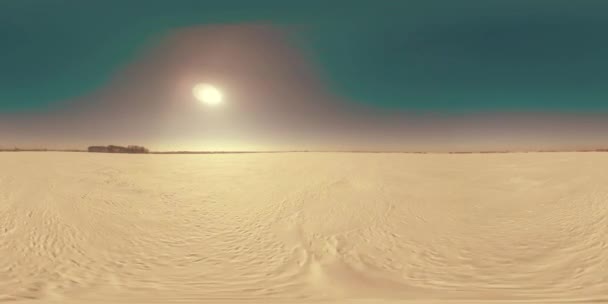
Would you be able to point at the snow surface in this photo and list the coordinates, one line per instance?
(303, 227)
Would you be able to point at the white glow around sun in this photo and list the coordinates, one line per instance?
(207, 93)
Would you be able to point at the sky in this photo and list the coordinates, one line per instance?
(307, 75)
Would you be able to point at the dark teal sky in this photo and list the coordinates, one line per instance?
(410, 55)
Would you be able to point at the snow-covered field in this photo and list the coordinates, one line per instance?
(303, 227)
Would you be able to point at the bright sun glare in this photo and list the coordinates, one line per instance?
(207, 93)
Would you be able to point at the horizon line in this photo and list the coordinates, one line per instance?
(315, 151)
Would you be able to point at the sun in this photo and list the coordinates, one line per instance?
(207, 94)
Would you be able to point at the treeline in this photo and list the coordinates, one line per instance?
(118, 149)
(38, 150)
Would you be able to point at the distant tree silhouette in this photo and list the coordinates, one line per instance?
(98, 149)
(118, 149)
